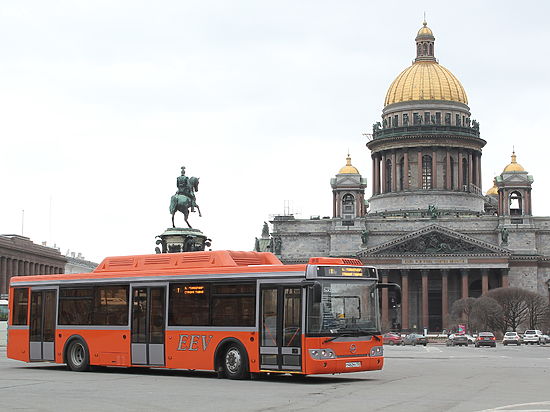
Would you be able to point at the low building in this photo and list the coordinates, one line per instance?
(19, 256)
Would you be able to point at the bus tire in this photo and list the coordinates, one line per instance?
(235, 362)
(78, 356)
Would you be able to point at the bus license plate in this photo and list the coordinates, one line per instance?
(353, 364)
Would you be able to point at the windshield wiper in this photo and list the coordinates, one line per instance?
(354, 332)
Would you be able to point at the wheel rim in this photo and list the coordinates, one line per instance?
(233, 360)
(77, 354)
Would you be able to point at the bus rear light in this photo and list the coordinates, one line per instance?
(322, 354)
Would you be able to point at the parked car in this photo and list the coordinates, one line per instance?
(471, 339)
(511, 338)
(532, 336)
(415, 339)
(392, 338)
(455, 339)
(545, 339)
(486, 339)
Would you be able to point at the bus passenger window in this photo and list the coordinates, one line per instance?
(234, 305)
(75, 306)
(188, 304)
(20, 306)
(111, 305)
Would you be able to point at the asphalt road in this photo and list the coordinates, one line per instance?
(432, 378)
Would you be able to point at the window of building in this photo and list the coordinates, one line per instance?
(516, 204)
(447, 118)
(426, 172)
(387, 183)
(395, 121)
(348, 205)
(426, 117)
(425, 49)
(405, 119)
(457, 119)
(416, 119)
(20, 306)
(431, 49)
(437, 117)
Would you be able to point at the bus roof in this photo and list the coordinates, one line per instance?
(187, 263)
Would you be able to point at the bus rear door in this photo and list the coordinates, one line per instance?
(42, 331)
(148, 320)
(281, 328)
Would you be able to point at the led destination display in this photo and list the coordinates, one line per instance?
(347, 271)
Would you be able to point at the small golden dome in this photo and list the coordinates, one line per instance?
(425, 80)
(514, 166)
(425, 30)
(348, 168)
(493, 191)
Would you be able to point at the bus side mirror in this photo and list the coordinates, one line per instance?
(394, 288)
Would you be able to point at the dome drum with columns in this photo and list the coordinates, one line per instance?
(427, 150)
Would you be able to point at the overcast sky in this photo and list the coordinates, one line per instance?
(102, 102)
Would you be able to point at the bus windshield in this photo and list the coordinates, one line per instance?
(343, 307)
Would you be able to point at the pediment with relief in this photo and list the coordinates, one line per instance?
(435, 240)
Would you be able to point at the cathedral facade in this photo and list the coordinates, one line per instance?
(428, 226)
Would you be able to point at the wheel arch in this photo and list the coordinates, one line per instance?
(221, 348)
(68, 342)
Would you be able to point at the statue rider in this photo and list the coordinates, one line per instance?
(184, 189)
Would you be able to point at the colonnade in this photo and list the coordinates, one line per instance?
(10, 267)
(387, 175)
(421, 318)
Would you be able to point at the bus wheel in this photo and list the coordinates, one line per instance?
(78, 357)
(235, 362)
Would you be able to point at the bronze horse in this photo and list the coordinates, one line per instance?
(183, 203)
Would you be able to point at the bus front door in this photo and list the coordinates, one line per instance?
(42, 328)
(281, 328)
(148, 319)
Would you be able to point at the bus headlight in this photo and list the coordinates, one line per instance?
(322, 354)
(377, 351)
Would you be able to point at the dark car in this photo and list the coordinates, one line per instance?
(457, 340)
(392, 338)
(486, 339)
(415, 339)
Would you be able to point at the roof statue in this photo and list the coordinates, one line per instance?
(184, 199)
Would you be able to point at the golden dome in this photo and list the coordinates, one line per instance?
(425, 80)
(493, 191)
(425, 30)
(514, 166)
(348, 168)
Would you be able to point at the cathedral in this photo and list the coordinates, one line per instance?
(427, 225)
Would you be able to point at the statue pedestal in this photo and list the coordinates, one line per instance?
(176, 240)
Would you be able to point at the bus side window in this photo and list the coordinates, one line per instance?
(20, 306)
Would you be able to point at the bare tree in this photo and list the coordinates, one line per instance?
(537, 310)
(486, 314)
(461, 311)
(514, 306)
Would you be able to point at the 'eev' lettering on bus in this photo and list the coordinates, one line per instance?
(191, 342)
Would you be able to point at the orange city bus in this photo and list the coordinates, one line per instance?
(236, 313)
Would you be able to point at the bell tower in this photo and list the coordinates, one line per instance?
(514, 192)
(348, 193)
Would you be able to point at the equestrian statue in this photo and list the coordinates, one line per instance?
(184, 200)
